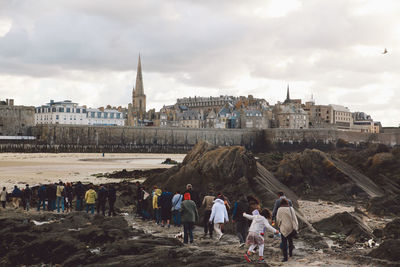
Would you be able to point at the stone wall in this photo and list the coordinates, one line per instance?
(16, 120)
(79, 138)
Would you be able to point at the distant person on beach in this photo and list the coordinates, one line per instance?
(27, 197)
(219, 216)
(16, 196)
(156, 207)
(90, 199)
(41, 197)
(176, 208)
(241, 206)
(80, 194)
(207, 203)
(3, 197)
(165, 202)
(51, 196)
(112, 197)
(256, 233)
(286, 220)
(277, 204)
(60, 196)
(102, 200)
(189, 217)
(69, 196)
(193, 194)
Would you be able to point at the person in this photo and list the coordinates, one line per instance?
(3, 197)
(241, 206)
(176, 207)
(277, 204)
(68, 197)
(139, 199)
(41, 197)
(16, 197)
(27, 197)
(189, 217)
(90, 199)
(208, 202)
(112, 197)
(193, 194)
(60, 196)
(144, 203)
(51, 196)
(287, 222)
(80, 194)
(102, 199)
(256, 233)
(156, 207)
(219, 216)
(165, 203)
(254, 205)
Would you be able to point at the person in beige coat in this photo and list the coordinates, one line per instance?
(287, 222)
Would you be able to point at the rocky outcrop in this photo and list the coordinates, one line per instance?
(346, 224)
(386, 205)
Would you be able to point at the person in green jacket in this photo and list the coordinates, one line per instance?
(189, 216)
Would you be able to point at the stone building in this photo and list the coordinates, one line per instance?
(15, 120)
(137, 109)
(292, 117)
(61, 112)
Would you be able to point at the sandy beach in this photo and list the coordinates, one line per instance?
(21, 168)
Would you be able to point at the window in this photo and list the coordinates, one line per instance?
(83, 110)
(53, 109)
(93, 114)
(98, 114)
(68, 110)
(60, 109)
(105, 115)
(78, 110)
(57, 117)
(112, 115)
(118, 115)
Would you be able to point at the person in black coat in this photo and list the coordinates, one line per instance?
(112, 197)
(41, 197)
(27, 197)
(51, 197)
(193, 195)
(241, 206)
(79, 192)
(101, 200)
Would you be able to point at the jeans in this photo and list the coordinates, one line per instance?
(241, 231)
(60, 199)
(41, 203)
(176, 216)
(3, 203)
(101, 206)
(208, 227)
(188, 232)
(284, 245)
(79, 202)
(111, 207)
(27, 205)
(91, 207)
(157, 213)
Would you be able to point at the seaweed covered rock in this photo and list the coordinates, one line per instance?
(388, 250)
(388, 205)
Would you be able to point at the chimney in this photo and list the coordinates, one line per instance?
(11, 102)
(7, 101)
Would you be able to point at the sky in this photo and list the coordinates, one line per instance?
(87, 51)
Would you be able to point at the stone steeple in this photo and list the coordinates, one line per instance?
(139, 80)
(288, 94)
(138, 96)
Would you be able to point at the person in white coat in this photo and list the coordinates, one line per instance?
(219, 216)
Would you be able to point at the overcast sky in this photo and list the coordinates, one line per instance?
(87, 51)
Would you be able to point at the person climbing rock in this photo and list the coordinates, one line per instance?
(219, 216)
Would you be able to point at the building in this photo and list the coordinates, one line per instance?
(206, 103)
(292, 117)
(341, 117)
(137, 109)
(192, 119)
(68, 112)
(15, 120)
(62, 112)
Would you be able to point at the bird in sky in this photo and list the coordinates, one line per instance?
(385, 51)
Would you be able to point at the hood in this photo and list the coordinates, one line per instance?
(158, 192)
(220, 201)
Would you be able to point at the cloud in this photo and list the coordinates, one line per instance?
(87, 50)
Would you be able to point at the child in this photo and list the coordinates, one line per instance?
(256, 233)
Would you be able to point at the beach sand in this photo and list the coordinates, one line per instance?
(22, 168)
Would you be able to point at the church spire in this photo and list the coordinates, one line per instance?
(288, 94)
(139, 80)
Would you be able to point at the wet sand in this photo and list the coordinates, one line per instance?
(21, 168)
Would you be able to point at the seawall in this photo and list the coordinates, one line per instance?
(77, 138)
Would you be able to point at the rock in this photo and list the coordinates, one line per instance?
(388, 250)
(385, 206)
(378, 233)
(169, 161)
(392, 229)
(345, 224)
(351, 239)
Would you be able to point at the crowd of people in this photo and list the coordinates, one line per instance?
(61, 196)
(251, 221)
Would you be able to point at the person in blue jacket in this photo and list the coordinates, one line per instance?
(165, 202)
(41, 197)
